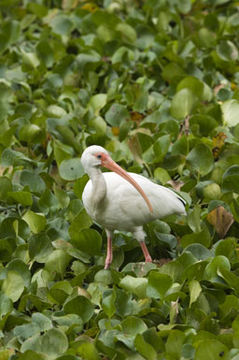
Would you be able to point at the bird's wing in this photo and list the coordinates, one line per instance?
(123, 199)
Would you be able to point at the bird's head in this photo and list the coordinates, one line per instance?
(95, 156)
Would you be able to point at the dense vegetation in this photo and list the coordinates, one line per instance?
(157, 84)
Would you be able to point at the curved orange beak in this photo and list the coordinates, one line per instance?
(111, 165)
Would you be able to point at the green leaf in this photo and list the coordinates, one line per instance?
(81, 306)
(211, 350)
(135, 285)
(87, 351)
(158, 284)
(116, 114)
(71, 169)
(194, 290)
(21, 197)
(13, 285)
(33, 180)
(230, 179)
(144, 348)
(216, 265)
(108, 302)
(39, 324)
(5, 187)
(193, 84)
(97, 102)
(201, 159)
(80, 222)
(36, 221)
(53, 343)
(202, 124)
(127, 32)
(133, 325)
(57, 262)
(40, 247)
(45, 53)
(5, 305)
(174, 343)
(230, 109)
(183, 103)
(162, 175)
(202, 237)
(88, 241)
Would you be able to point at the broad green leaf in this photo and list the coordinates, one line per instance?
(108, 302)
(230, 110)
(174, 343)
(57, 262)
(202, 124)
(71, 169)
(5, 304)
(21, 268)
(79, 185)
(217, 264)
(116, 114)
(133, 325)
(81, 306)
(33, 180)
(144, 348)
(14, 158)
(80, 222)
(183, 103)
(13, 285)
(202, 237)
(97, 102)
(135, 285)
(227, 50)
(162, 175)
(38, 324)
(158, 284)
(194, 290)
(211, 350)
(21, 197)
(61, 24)
(36, 221)
(88, 351)
(53, 343)
(127, 32)
(87, 240)
(40, 247)
(231, 179)
(5, 187)
(45, 53)
(201, 159)
(193, 84)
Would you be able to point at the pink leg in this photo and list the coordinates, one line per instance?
(109, 256)
(145, 251)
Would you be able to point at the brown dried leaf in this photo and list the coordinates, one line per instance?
(176, 185)
(221, 220)
(218, 142)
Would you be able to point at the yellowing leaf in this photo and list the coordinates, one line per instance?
(221, 220)
(115, 130)
(91, 7)
(218, 142)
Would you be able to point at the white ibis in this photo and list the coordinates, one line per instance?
(124, 201)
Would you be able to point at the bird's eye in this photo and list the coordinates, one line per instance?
(99, 156)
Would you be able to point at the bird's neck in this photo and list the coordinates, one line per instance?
(99, 186)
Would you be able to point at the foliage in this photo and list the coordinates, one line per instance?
(156, 83)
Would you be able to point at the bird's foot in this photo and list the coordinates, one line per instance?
(148, 259)
(107, 265)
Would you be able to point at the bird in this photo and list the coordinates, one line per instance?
(124, 201)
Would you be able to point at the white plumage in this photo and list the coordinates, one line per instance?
(116, 204)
